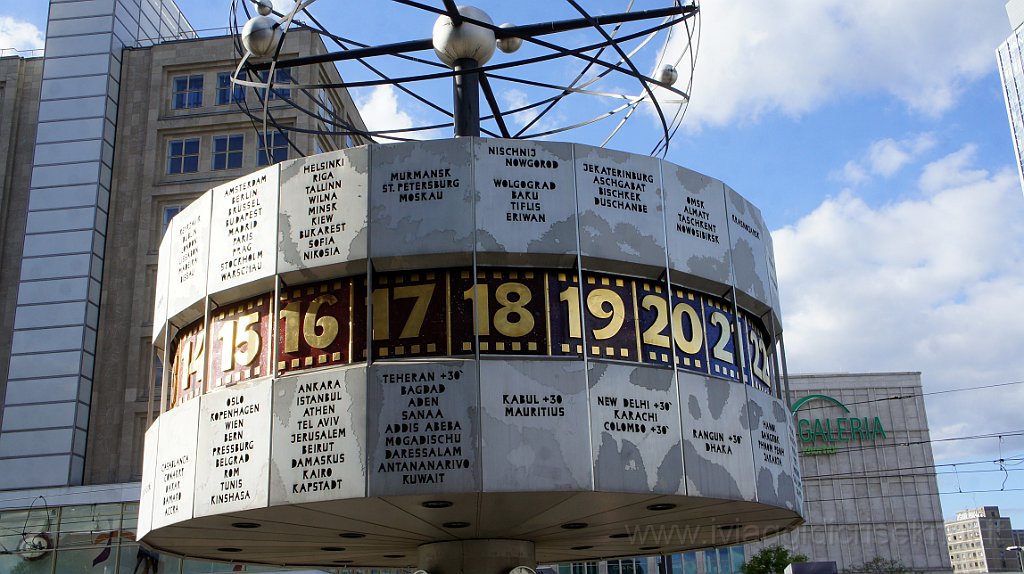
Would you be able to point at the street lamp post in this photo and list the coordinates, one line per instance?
(1020, 554)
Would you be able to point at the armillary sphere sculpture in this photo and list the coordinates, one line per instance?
(552, 77)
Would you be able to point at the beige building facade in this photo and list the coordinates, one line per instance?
(126, 118)
(979, 539)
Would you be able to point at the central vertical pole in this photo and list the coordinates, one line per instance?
(467, 99)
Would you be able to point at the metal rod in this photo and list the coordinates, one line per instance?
(453, 12)
(466, 93)
(499, 33)
(493, 104)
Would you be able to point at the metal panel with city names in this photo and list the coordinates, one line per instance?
(423, 424)
(147, 492)
(324, 209)
(526, 201)
(234, 449)
(716, 438)
(698, 236)
(421, 202)
(635, 427)
(319, 434)
(190, 245)
(774, 455)
(174, 485)
(243, 234)
(621, 215)
(163, 271)
(535, 430)
(749, 255)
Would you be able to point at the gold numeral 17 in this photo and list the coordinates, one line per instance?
(382, 312)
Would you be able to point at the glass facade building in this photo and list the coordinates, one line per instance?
(1010, 58)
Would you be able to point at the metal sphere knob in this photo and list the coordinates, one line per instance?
(510, 44)
(465, 41)
(264, 7)
(261, 36)
(667, 75)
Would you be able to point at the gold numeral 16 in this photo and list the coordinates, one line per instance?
(512, 319)
(327, 325)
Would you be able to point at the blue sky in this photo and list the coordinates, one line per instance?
(873, 136)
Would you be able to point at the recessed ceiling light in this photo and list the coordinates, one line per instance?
(352, 535)
(394, 555)
(574, 525)
(437, 504)
(649, 547)
(229, 550)
(332, 549)
(662, 506)
(731, 527)
(619, 535)
(246, 524)
(581, 548)
(455, 525)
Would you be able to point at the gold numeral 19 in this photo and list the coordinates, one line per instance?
(602, 304)
(245, 351)
(414, 323)
(512, 319)
(327, 325)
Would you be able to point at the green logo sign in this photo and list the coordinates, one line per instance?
(822, 435)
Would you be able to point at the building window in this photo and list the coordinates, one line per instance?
(169, 212)
(281, 76)
(227, 151)
(228, 93)
(183, 156)
(188, 92)
(277, 143)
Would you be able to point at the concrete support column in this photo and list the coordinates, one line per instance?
(486, 556)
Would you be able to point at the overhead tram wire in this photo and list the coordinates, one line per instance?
(918, 395)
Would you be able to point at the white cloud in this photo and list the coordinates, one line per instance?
(19, 35)
(792, 56)
(885, 158)
(380, 111)
(934, 283)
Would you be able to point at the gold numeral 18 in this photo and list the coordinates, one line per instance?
(512, 319)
